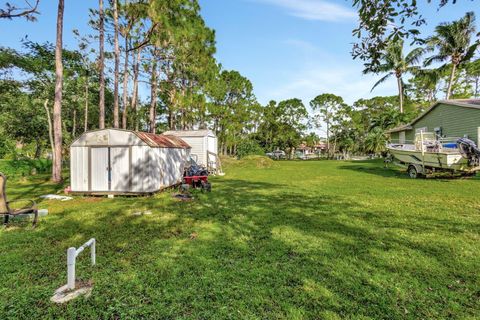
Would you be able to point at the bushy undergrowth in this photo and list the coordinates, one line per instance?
(24, 167)
(249, 147)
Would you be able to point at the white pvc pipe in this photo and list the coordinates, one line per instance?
(72, 254)
(71, 257)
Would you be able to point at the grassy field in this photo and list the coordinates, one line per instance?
(316, 239)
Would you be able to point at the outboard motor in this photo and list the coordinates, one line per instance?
(469, 151)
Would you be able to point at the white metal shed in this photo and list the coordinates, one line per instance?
(114, 161)
(202, 142)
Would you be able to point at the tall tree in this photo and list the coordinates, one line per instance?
(394, 62)
(116, 108)
(325, 107)
(136, 71)
(153, 92)
(57, 106)
(101, 65)
(453, 42)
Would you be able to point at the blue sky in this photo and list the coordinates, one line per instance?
(287, 48)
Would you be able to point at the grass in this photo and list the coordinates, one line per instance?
(297, 240)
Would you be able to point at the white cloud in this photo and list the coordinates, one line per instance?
(314, 9)
(344, 80)
(319, 72)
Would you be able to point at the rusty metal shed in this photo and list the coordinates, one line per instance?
(114, 161)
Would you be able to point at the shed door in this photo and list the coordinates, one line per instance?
(120, 165)
(99, 169)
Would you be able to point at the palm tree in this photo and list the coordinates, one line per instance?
(453, 42)
(394, 62)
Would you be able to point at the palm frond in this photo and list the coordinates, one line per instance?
(382, 80)
(414, 56)
(436, 58)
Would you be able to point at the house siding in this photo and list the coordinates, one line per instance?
(455, 121)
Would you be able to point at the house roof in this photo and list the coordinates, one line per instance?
(189, 133)
(463, 103)
(161, 140)
(400, 128)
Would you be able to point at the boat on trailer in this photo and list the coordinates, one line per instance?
(429, 154)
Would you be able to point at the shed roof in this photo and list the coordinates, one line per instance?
(463, 103)
(121, 137)
(161, 140)
(190, 133)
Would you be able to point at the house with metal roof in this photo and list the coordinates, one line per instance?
(114, 161)
(447, 118)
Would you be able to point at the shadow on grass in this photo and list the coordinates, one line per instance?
(255, 249)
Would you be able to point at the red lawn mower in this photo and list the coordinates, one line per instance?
(196, 176)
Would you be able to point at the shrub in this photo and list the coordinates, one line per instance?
(24, 167)
(249, 147)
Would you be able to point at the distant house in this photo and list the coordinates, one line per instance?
(447, 118)
(320, 147)
(304, 149)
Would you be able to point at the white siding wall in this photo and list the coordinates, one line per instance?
(212, 147)
(171, 164)
(143, 169)
(79, 169)
(198, 148)
(119, 158)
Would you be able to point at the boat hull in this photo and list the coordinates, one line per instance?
(441, 160)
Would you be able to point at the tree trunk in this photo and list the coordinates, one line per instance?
(171, 108)
(38, 148)
(328, 137)
(50, 129)
(153, 95)
(57, 106)
(101, 62)
(450, 82)
(117, 66)
(400, 92)
(125, 86)
(477, 80)
(85, 124)
(74, 123)
(136, 69)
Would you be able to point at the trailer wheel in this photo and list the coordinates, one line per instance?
(206, 186)
(412, 172)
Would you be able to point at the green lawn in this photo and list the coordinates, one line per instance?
(315, 239)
